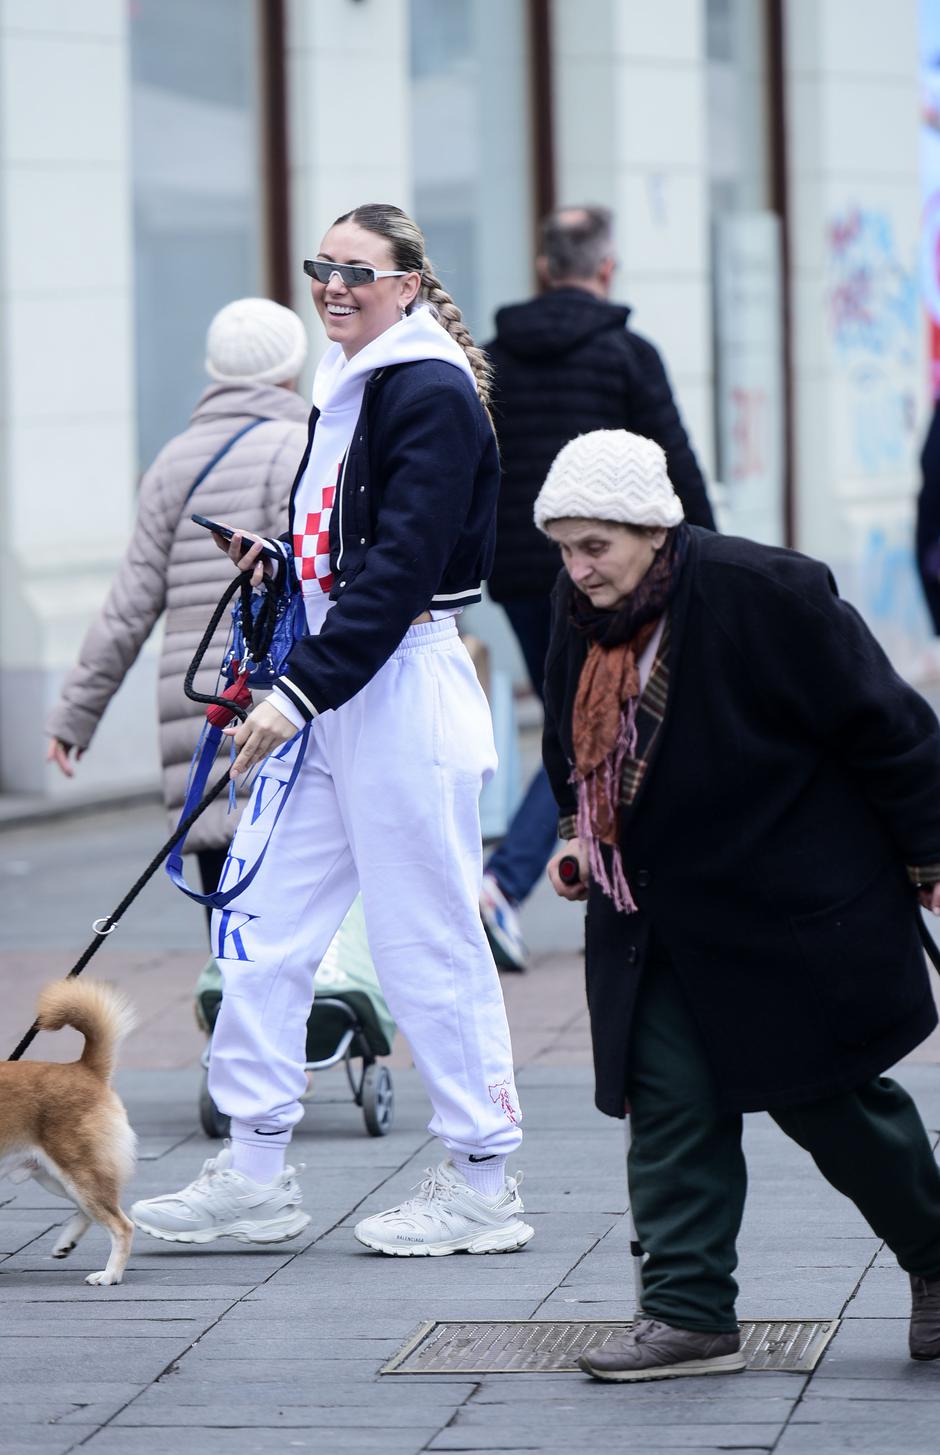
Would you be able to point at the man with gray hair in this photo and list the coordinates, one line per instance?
(577, 248)
(565, 363)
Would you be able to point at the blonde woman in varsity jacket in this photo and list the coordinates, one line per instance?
(391, 532)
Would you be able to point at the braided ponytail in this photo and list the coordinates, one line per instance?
(450, 318)
(406, 242)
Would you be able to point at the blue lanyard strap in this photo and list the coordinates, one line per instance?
(220, 898)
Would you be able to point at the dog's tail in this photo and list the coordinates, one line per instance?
(101, 1013)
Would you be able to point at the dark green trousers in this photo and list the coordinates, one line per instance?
(688, 1177)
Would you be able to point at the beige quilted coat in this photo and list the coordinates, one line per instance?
(172, 565)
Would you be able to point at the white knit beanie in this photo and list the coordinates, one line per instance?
(255, 341)
(609, 475)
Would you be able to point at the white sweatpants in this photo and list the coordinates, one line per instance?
(386, 802)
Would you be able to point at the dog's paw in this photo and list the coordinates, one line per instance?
(62, 1250)
(103, 1278)
(24, 1172)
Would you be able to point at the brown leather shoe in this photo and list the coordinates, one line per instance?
(654, 1350)
(924, 1339)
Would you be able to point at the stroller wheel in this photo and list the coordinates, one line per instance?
(378, 1100)
(213, 1123)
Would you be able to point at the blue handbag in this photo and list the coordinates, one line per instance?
(276, 619)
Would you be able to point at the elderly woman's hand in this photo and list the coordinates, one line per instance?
(263, 730)
(578, 890)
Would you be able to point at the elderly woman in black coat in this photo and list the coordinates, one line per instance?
(752, 794)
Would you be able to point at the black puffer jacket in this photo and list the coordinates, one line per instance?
(565, 364)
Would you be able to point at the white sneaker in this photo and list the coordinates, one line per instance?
(222, 1203)
(448, 1216)
(501, 922)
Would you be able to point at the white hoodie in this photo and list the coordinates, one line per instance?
(338, 388)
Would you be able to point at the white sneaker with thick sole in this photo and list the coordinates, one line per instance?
(501, 922)
(448, 1216)
(222, 1203)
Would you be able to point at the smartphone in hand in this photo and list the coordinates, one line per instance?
(226, 532)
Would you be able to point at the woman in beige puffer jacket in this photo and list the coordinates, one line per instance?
(172, 565)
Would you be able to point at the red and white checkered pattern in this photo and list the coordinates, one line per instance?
(312, 544)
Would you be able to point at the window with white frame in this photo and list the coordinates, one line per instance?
(746, 272)
(198, 222)
(471, 150)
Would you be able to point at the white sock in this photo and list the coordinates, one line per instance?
(488, 1177)
(261, 1160)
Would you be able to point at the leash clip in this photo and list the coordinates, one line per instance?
(104, 920)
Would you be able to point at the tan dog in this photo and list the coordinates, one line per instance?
(63, 1125)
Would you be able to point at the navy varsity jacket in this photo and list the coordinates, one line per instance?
(413, 526)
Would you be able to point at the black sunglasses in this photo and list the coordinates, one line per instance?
(351, 275)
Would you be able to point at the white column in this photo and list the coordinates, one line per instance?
(66, 371)
(860, 377)
(630, 133)
(349, 139)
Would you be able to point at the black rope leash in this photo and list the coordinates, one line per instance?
(258, 634)
(103, 927)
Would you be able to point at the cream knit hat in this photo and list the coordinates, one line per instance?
(255, 341)
(609, 475)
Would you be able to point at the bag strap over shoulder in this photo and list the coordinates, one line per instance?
(220, 455)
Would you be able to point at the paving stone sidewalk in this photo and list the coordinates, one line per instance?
(239, 1349)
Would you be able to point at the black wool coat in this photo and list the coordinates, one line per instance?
(566, 363)
(794, 778)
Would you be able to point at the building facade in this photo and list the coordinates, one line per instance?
(158, 158)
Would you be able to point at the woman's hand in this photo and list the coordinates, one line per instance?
(245, 555)
(58, 753)
(263, 730)
(578, 890)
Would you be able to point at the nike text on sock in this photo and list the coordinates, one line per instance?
(486, 1176)
(255, 1156)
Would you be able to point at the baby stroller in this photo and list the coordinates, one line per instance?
(349, 1021)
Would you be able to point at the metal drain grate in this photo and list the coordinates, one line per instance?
(794, 1346)
(544, 1346)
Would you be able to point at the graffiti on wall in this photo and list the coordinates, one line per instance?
(873, 316)
(889, 592)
